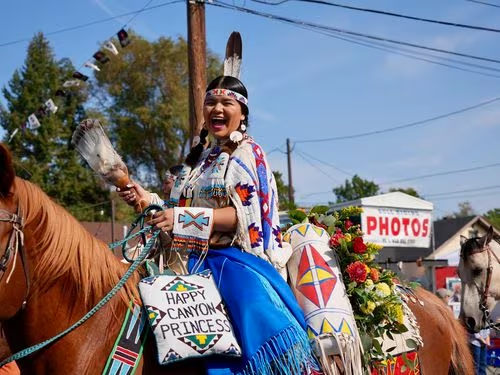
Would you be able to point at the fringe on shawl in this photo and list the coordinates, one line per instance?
(292, 361)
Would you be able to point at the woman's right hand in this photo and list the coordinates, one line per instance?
(133, 194)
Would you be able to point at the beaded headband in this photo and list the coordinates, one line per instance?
(226, 92)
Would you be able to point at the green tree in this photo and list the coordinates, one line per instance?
(144, 90)
(355, 189)
(42, 155)
(493, 217)
(410, 191)
(284, 202)
(464, 209)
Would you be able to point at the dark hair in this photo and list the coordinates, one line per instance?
(175, 169)
(221, 82)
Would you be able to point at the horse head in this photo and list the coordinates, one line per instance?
(13, 273)
(479, 270)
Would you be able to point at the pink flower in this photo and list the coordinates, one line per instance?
(347, 224)
(334, 240)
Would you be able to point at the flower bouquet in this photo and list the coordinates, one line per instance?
(378, 310)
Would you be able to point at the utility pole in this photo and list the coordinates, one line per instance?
(290, 183)
(197, 52)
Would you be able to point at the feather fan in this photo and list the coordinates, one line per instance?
(94, 146)
(234, 54)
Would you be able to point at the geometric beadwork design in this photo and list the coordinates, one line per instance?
(155, 315)
(180, 285)
(315, 279)
(200, 342)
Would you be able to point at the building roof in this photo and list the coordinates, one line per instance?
(102, 230)
(395, 199)
(444, 229)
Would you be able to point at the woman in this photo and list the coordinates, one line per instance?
(232, 185)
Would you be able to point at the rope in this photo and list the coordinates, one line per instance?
(145, 251)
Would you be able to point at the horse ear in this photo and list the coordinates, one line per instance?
(462, 240)
(8, 174)
(488, 236)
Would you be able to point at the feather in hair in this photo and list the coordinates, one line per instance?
(234, 55)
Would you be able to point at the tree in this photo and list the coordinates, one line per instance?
(493, 217)
(144, 90)
(464, 209)
(284, 202)
(355, 189)
(410, 191)
(42, 155)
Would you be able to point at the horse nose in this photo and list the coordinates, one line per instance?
(470, 323)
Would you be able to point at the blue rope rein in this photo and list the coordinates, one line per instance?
(133, 267)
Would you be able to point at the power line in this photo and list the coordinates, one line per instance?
(443, 173)
(484, 3)
(139, 12)
(385, 13)
(344, 31)
(71, 28)
(467, 196)
(415, 55)
(399, 127)
(463, 191)
(316, 167)
(326, 163)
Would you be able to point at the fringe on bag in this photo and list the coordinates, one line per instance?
(339, 354)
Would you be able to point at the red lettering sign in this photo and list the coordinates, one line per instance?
(395, 226)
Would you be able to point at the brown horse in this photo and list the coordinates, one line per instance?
(59, 272)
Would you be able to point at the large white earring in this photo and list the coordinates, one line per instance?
(196, 141)
(243, 127)
(236, 136)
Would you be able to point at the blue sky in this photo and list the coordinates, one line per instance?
(305, 86)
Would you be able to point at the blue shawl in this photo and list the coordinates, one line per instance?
(267, 320)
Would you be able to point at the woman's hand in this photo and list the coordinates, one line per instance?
(133, 194)
(163, 220)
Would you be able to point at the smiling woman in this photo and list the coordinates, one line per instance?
(226, 217)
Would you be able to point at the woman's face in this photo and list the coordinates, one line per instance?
(222, 115)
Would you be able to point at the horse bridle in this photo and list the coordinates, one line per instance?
(485, 293)
(15, 244)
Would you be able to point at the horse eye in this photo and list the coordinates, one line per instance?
(476, 272)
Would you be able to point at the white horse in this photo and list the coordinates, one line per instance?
(479, 270)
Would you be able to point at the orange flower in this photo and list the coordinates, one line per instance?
(374, 274)
(357, 271)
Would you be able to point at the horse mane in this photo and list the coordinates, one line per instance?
(66, 250)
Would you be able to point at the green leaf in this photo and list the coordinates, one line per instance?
(412, 344)
(377, 346)
(297, 216)
(319, 210)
